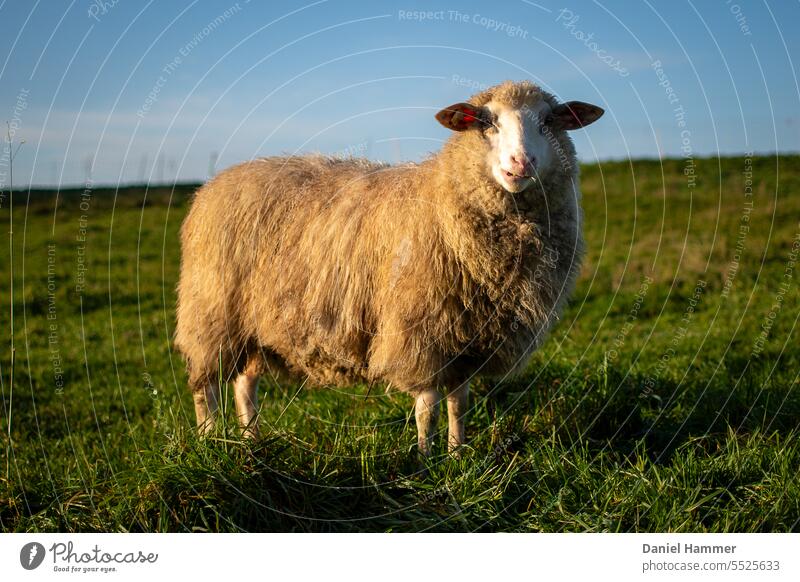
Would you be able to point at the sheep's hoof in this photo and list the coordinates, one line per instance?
(423, 470)
(423, 463)
(251, 434)
(456, 451)
(205, 428)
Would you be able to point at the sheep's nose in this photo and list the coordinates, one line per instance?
(522, 164)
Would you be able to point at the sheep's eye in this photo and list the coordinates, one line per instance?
(544, 124)
(490, 122)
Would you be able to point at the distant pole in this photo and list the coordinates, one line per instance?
(212, 164)
(160, 168)
(172, 168)
(142, 168)
(87, 170)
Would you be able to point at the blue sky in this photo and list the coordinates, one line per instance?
(128, 91)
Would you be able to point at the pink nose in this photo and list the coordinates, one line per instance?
(522, 164)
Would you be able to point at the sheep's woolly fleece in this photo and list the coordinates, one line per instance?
(338, 271)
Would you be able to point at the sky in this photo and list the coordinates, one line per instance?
(118, 91)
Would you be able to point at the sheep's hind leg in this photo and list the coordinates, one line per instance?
(245, 392)
(457, 401)
(426, 410)
(206, 404)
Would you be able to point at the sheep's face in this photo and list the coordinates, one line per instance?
(521, 139)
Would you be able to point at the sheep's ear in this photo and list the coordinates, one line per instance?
(574, 115)
(460, 117)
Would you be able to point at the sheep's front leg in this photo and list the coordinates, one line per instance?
(206, 404)
(457, 401)
(245, 394)
(426, 410)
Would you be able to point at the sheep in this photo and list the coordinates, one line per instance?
(419, 276)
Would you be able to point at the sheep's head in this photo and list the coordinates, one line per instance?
(521, 130)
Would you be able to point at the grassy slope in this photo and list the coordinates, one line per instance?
(635, 415)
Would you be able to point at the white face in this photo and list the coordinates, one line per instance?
(523, 142)
(520, 147)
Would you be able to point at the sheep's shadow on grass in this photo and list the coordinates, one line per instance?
(238, 485)
(728, 451)
(554, 457)
(623, 412)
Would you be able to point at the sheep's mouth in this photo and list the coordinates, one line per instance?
(513, 176)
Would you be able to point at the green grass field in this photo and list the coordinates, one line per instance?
(666, 399)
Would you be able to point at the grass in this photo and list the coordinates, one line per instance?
(666, 399)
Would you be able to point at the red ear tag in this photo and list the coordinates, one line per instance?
(469, 115)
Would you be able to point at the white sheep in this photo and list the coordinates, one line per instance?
(420, 276)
